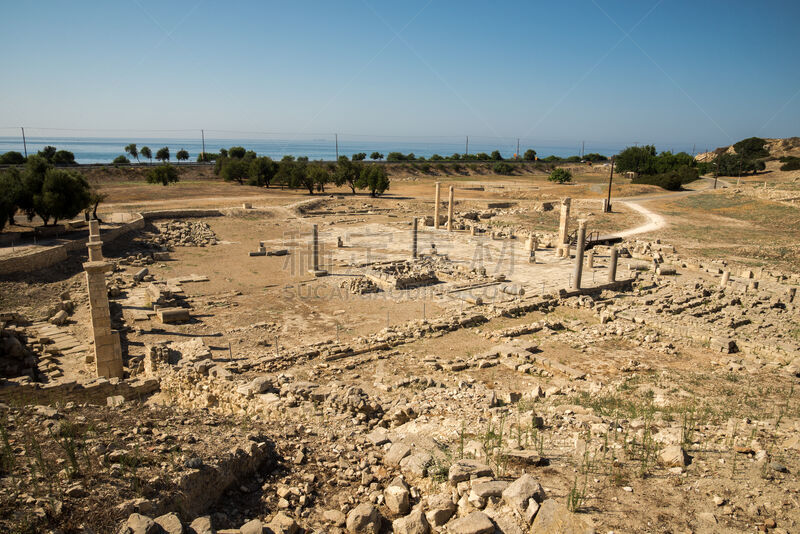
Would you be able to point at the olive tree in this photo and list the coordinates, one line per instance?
(163, 174)
(374, 178)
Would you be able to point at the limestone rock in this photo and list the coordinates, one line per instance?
(396, 499)
(202, 525)
(283, 524)
(364, 519)
(519, 494)
(554, 518)
(170, 523)
(335, 516)
(440, 509)
(252, 527)
(673, 456)
(141, 524)
(397, 452)
(474, 523)
(466, 469)
(413, 523)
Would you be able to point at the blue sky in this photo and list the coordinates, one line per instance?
(708, 72)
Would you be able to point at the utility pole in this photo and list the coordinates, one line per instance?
(583, 146)
(337, 146)
(518, 156)
(203, 135)
(24, 143)
(610, 178)
(466, 150)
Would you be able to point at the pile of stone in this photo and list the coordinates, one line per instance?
(170, 523)
(16, 358)
(177, 233)
(359, 285)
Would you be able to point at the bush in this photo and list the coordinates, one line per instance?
(502, 167)
(560, 176)
(121, 160)
(790, 163)
(206, 157)
(595, 157)
(163, 174)
(237, 152)
(360, 156)
(12, 158)
(376, 156)
(64, 157)
(496, 155)
(529, 155)
(673, 180)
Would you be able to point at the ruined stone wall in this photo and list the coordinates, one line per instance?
(94, 392)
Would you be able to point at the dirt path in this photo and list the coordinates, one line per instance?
(656, 221)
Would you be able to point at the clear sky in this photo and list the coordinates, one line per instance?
(670, 71)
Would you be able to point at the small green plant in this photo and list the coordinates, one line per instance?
(576, 496)
(560, 176)
(7, 460)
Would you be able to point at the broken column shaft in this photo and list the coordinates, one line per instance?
(414, 237)
(576, 278)
(450, 212)
(436, 205)
(562, 228)
(612, 265)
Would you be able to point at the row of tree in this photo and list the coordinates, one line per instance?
(39, 189)
(162, 154)
(245, 166)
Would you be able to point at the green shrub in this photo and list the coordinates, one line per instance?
(121, 160)
(501, 167)
(790, 163)
(163, 174)
(671, 181)
(12, 158)
(529, 155)
(560, 176)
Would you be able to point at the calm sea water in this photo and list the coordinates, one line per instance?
(105, 149)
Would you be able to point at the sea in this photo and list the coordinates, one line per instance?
(105, 149)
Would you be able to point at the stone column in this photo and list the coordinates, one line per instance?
(590, 259)
(414, 237)
(612, 265)
(726, 275)
(450, 212)
(107, 349)
(562, 226)
(94, 245)
(576, 277)
(315, 270)
(437, 202)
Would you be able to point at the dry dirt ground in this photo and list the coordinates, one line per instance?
(585, 393)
